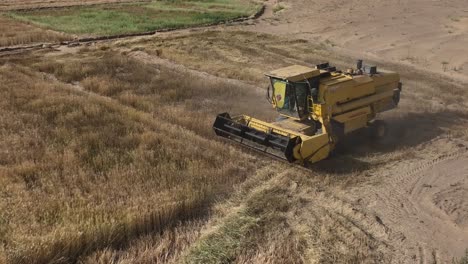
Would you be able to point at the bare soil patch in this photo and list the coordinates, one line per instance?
(453, 202)
(426, 34)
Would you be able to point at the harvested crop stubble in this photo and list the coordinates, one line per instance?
(254, 234)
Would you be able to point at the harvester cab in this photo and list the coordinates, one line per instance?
(293, 90)
(317, 107)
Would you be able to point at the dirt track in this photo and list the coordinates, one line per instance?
(426, 205)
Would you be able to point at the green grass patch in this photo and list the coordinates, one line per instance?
(277, 8)
(262, 221)
(224, 245)
(132, 18)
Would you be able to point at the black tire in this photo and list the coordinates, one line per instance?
(396, 97)
(378, 129)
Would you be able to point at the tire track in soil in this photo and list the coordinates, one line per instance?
(413, 220)
(336, 230)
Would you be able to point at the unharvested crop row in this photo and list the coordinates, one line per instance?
(15, 33)
(88, 172)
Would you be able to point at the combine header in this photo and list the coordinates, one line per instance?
(317, 106)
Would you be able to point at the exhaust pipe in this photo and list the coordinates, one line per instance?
(359, 64)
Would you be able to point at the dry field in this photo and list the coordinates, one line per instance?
(13, 33)
(429, 134)
(107, 156)
(96, 163)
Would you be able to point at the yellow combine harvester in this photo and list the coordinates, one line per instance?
(317, 108)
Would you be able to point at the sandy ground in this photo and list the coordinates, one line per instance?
(427, 34)
(425, 204)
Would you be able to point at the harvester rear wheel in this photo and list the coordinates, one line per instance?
(378, 129)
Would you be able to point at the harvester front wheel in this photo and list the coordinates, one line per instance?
(378, 129)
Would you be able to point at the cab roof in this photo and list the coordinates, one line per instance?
(294, 73)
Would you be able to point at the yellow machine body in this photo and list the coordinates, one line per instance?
(317, 107)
